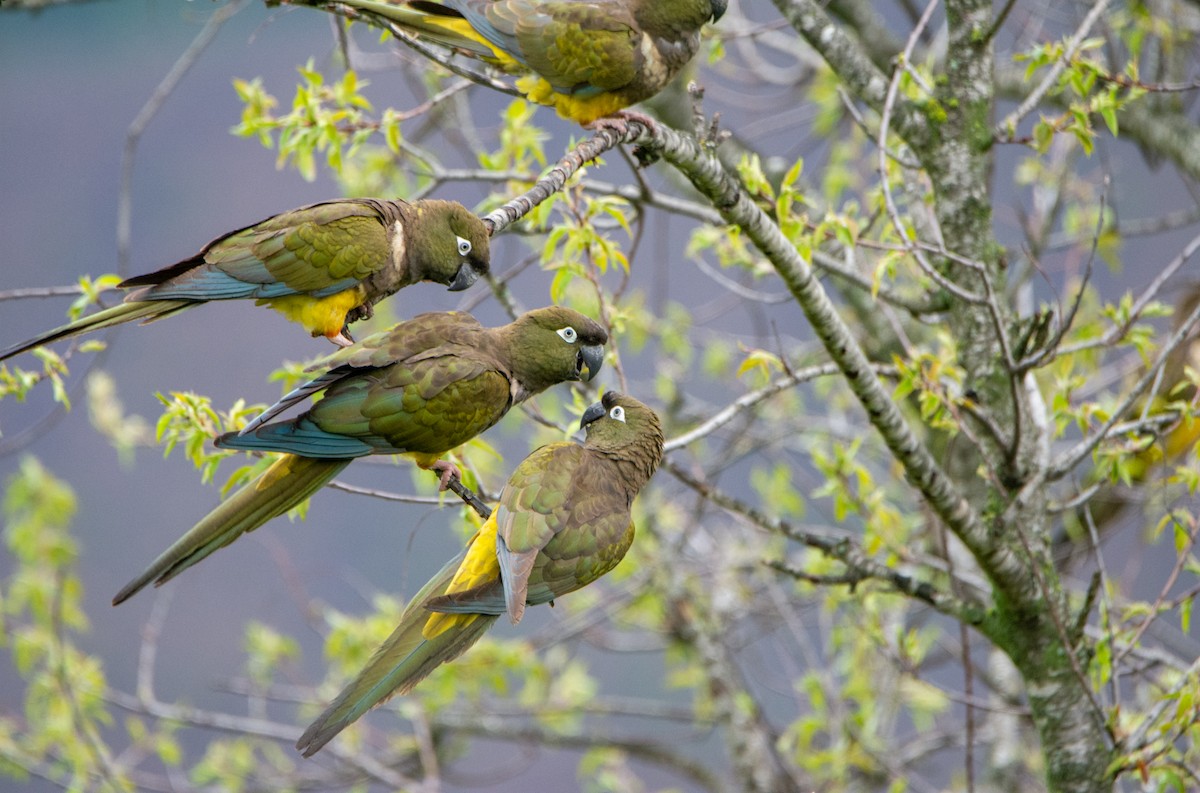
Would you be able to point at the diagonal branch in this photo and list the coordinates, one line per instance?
(1067, 461)
(706, 173)
(858, 565)
(745, 402)
(853, 65)
(1007, 127)
(134, 135)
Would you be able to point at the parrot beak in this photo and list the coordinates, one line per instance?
(719, 7)
(465, 276)
(591, 356)
(594, 411)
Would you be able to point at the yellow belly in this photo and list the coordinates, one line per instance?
(583, 110)
(321, 316)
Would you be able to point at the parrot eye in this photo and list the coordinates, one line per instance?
(568, 334)
(464, 246)
(617, 413)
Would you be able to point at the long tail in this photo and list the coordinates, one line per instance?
(282, 486)
(407, 656)
(435, 23)
(117, 315)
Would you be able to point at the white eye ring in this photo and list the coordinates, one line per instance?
(617, 413)
(464, 246)
(568, 334)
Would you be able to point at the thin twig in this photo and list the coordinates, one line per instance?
(1007, 127)
(1067, 461)
(134, 134)
(468, 496)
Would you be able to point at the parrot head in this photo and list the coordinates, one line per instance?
(555, 344)
(449, 245)
(622, 425)
(677, 17)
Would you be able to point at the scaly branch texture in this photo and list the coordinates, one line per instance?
(701, 166)
(1076, 743)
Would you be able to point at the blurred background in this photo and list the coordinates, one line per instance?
(74, 78)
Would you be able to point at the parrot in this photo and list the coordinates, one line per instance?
(588, 59)
(320, 265)
(562, 521)
(421, 389)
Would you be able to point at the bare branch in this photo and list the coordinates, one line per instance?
(859, 566)
(146, 115)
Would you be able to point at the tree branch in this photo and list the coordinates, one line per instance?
(859, 566)
(851, 62)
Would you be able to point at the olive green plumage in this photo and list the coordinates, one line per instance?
(421, 389)
(563, 520)
(586, 58)
(321, 265)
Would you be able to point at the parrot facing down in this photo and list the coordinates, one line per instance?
(587, 59)
(321, 265)
(563, 520)
(421, 389)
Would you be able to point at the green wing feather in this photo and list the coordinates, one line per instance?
(578, 47)
(311, 250)
(317, 249)
(429, 406)
(532, 509)
(433, 384)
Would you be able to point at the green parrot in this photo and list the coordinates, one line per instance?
(563, 521)
(321, 265)
(421, 389)
(587, 59)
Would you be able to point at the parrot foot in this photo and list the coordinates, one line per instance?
(446, 471)
(618, 122)
(365, 311)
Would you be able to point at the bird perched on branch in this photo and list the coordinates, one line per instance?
(421, 389)
(588, 59)
(320, 265)
(563, 520)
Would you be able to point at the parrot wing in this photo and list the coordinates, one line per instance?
(419, 338)
(576, 47)
(423, 407)
(316, 250)
(533, 509)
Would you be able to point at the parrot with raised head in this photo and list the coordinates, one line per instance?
(320, 265)
(587, 59)
(562, 521)
(421, 389)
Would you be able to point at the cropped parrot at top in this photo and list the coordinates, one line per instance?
(586, 58)
(421, 389)
(563, 520)
(316, 265)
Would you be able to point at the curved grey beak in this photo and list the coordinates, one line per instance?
(595, 410)
(465, 276)
(592, 357)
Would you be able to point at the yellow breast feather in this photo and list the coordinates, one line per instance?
(479, 567)
(321, 316)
